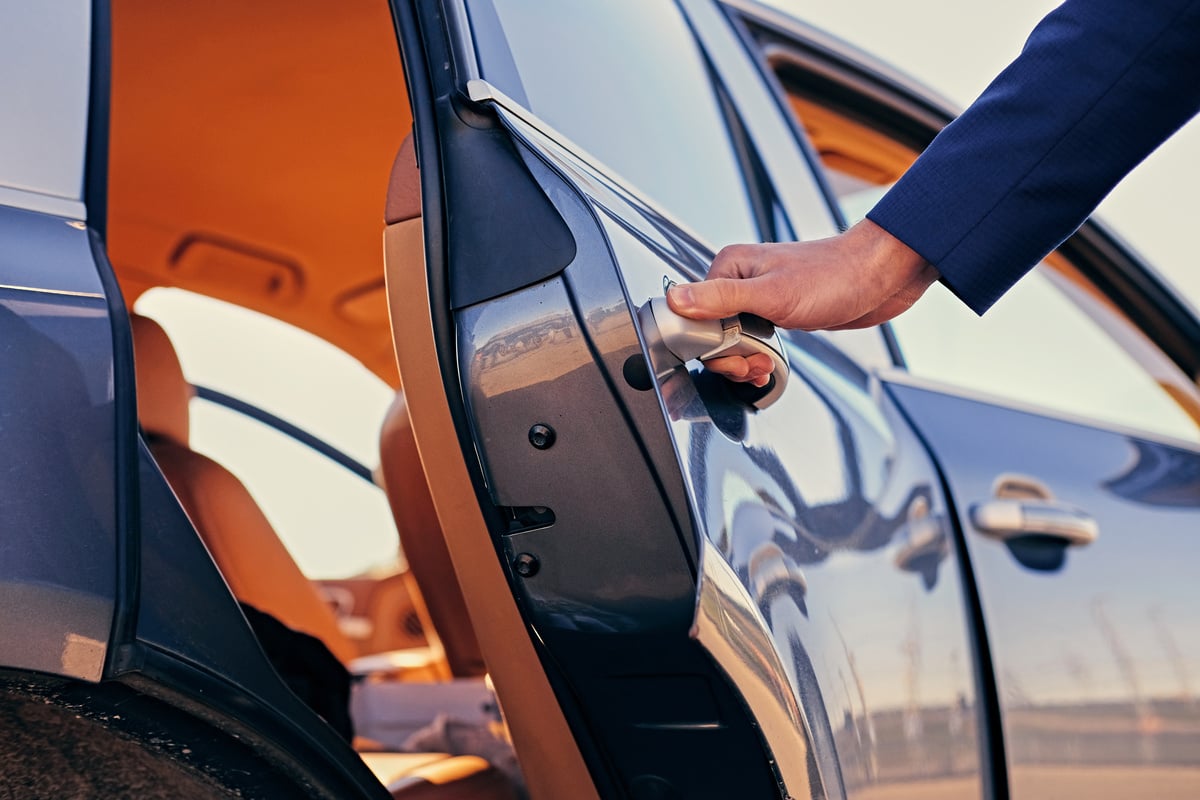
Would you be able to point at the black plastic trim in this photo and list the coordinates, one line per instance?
(423, 94)
(126, 480)
(327, 768)
(993, 761)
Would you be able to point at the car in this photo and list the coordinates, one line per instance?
(491, 512)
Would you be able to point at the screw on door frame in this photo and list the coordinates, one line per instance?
(526, 565)
(542, 436)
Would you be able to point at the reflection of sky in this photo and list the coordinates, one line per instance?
(877, 607)
(1047, 630)
(653, 121)
(1037, 346)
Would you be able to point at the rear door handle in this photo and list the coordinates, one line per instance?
(1009, 518)
(686, 339)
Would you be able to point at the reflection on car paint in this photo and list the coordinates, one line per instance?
(1092, 662)
(845, 500)
(58, 433)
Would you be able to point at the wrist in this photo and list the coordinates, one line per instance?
(886, 257)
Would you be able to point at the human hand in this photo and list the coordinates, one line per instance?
(860, 278)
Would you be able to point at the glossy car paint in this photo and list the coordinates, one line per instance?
(829, 475)
(1094, 646)
(58, 433)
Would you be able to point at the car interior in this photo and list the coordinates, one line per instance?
(265, 171)
(256, 170)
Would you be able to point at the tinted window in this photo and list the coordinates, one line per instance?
(625, 80)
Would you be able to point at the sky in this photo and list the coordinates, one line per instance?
(958, 46)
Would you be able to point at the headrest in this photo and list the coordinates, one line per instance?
(404, 186)
(162, 391)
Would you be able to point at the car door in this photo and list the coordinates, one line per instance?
(1072, 409)
(118, 636)
(61, 421)
(718, 601)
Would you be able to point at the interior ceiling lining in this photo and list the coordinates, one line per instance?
(268, 128)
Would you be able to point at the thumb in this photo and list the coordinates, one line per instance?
(715, 298)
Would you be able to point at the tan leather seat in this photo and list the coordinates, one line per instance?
(258, 568)
(423, 543)
(254, 561)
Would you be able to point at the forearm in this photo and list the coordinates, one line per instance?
(1098, 86)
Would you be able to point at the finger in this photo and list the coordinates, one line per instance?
(735, 368)
(756, 368)
(737, 261)
(760, 366)
(717, 298)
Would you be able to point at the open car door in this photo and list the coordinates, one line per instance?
(661, 574)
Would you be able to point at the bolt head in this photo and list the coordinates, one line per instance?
(542, 436)
(526, 565)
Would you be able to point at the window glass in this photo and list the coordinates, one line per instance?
(1053, 340)
(1051, 343)
(625, 81)
(333, 523)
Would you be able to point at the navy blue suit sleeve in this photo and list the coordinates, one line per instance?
(1098, 85)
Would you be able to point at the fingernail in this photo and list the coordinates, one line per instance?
(682, 295)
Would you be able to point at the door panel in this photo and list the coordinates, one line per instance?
(58, 436)
(1094, 644)
(816, 527)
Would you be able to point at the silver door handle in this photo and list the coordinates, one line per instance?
(1007, 518)
(686, 339)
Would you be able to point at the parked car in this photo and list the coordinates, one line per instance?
(951, 557)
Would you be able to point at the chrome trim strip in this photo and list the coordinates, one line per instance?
(62, 292)
(729, 626)
(42, 203)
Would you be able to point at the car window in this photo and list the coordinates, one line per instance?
(1054, 340)
(333, 522)
(625, 81)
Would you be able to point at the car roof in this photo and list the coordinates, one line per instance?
(250, 147)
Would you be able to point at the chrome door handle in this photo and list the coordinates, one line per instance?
(1008, 518)
(686, 339)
